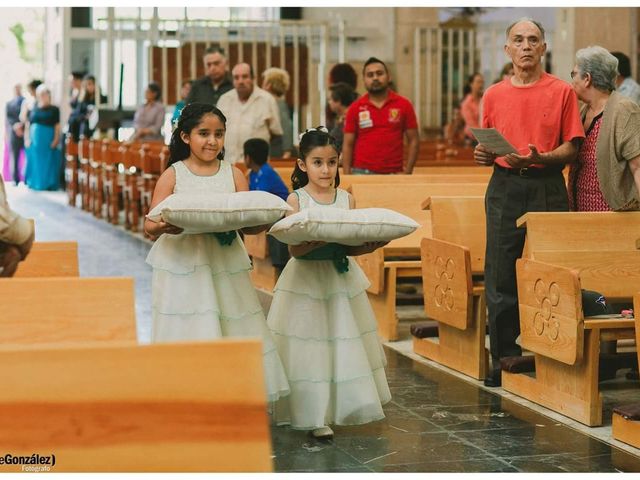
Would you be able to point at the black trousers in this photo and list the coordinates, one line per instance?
(16, 144)
(509, 197)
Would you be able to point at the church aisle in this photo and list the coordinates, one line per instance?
(435, 422)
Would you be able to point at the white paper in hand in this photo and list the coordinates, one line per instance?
(493, 140)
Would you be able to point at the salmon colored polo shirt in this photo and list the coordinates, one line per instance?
(544, 114)
(379, 132)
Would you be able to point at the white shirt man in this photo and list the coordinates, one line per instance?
(251, 113)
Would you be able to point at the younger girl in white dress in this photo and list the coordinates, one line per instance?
(201, 289)
(320, 316)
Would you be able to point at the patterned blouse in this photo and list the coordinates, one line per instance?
(585, 194)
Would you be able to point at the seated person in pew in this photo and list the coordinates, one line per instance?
(538, 114)
(263, 177)
(323, 324)
(16, 236)
(201, 289)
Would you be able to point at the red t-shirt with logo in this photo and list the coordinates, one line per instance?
(544, 114)
(379, 132)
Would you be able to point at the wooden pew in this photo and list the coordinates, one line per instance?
(83, 171)
(96, 187)
(152, 156)
(57, 310)
(347, 180)
(625, 423)
(452, 170)
(112, 187)
(263, 274)
(450, 260)
(196, 407)
(71, 170)
(50, 259)
(131, 161)
(564, 253)
(400, 258)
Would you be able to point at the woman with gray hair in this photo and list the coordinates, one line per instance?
(606, 174)
(276, 81)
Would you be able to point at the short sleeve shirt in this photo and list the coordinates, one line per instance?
(267, 180)
(544, 114)
(379, 132)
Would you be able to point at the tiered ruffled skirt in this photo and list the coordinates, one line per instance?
(325, 331)
(202, 291)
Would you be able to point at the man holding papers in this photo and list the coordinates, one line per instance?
(538, 115)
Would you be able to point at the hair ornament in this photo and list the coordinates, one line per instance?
(309, 130)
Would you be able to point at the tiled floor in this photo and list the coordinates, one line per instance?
(436, 422)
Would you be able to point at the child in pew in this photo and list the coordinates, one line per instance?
(263, 177)
(320, 316)
(201, 289)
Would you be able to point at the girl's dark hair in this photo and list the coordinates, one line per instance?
(190, 118)
(313, 138)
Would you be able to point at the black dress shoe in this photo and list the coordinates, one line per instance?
(494, 379)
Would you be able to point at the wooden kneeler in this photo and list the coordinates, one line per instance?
(565, 343)
(181, 407)
(451, 298)
(50, 259)
(626, 418)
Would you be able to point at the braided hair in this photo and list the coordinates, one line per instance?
(312, 138)
(190, 118)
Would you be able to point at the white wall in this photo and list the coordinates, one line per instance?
(370, 31)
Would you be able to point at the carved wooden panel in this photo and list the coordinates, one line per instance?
(550, 311)
(446, 280)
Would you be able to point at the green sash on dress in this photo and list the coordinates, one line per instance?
(332, 251)
(225, 238)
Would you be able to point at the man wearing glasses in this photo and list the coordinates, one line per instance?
(538, 114)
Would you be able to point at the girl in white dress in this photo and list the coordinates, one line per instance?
(320, 316)
(201, 289)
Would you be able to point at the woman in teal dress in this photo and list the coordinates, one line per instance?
(42, 143)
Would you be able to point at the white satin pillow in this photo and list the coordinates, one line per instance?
(219, 212)
(347, 227)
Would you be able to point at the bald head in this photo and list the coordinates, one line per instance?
(538, 25)
(243, 80)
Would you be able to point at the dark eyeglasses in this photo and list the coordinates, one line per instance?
(573, 74)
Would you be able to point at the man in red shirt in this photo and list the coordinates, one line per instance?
(538, 114)
(375, 126)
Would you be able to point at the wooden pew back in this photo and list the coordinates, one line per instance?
(57, 310)
(50, 259)
(196, 407)
(347, 180)
(460, 220)
(567, 251)
(601, 246)
(408, 199)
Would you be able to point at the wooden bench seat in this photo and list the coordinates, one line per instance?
(594, 251)
(452, 260)
(184, 407)
(401, 257)
(66, 310)
(50, 259)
